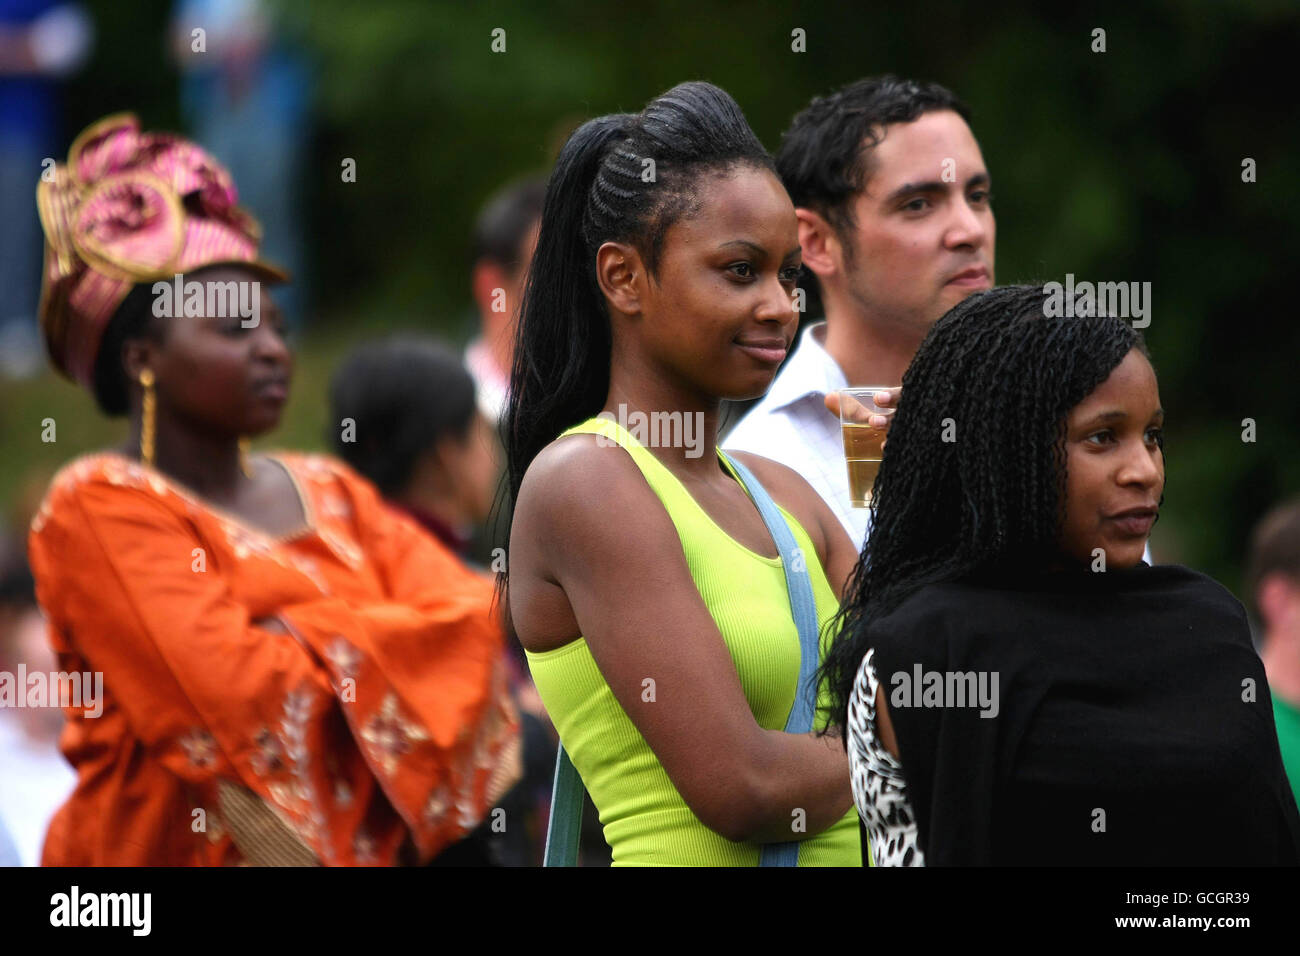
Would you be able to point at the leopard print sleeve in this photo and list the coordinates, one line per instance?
(879, 787)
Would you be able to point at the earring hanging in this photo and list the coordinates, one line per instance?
(245, 461)
(148, 424)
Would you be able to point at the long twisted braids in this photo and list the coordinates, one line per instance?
(997, 379)
(619, 178)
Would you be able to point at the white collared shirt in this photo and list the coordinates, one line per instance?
(791, 425)
(490, 383)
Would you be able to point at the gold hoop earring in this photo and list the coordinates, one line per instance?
(244, 460)
(149, 421)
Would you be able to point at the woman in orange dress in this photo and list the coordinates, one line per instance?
(292, 673)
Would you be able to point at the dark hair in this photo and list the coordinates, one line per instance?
(134, 319)
(597, 193)
(504, 223)
(1274, 546)
(825, 155)
(1006, 377)
(404, 394)
(600, 191)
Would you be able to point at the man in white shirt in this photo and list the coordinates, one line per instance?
(892, 196)
(895, 222)
(504, 239)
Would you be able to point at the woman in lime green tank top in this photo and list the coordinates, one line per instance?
(641, 579)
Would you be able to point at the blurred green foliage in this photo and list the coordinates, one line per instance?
(1117, 166)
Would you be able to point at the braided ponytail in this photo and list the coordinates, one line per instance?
(619, 178)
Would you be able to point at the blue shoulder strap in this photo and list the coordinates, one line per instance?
(804, 609)
(565, 825)
(564, 829)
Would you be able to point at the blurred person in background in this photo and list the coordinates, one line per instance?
(417, 433)
(41, 42)
(245, 96)
(403, 413)
(278, 648)
(8, 850)
(1273, 584)
(34, 777)
(505, 237)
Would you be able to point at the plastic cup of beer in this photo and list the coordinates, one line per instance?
(861, 442)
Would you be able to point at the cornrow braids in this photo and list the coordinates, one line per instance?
(974, 472)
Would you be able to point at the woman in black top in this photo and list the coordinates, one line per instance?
(1018, 686)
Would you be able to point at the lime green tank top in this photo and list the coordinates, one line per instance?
(645, 820)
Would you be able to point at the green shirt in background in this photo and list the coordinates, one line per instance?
(1287, 718)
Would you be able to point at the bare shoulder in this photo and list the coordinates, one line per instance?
(836, 551)
(787, 487)
(579, 498)
(770, 471)
(587, 528)
(575, 473)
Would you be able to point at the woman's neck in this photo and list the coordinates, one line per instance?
(678, 429)
(205, 463)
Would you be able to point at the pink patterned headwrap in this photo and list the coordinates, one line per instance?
(130, 207)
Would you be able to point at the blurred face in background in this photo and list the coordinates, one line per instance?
(1116, 469)
(498, 293)
(212, 372)
(461, 472)
(922, 236)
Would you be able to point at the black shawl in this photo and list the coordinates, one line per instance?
(1134, 724)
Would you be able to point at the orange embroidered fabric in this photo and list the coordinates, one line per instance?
(377, 723)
